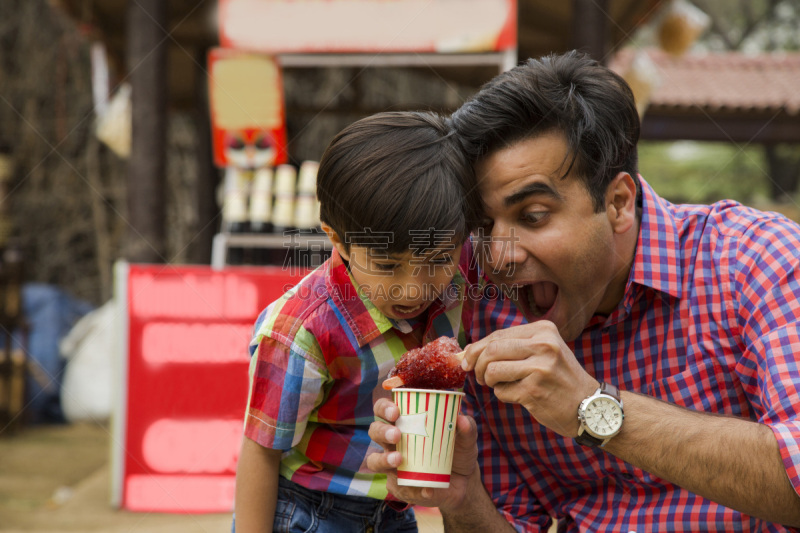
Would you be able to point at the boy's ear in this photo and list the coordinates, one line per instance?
(336, 241)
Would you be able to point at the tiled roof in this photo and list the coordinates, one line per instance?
(722, 82)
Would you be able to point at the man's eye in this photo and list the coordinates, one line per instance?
(534, 216)
(485, 227)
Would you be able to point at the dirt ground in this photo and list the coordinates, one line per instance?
(56, 479)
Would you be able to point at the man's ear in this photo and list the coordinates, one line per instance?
(336, 241)
(621, 202)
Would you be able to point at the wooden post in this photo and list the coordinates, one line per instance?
(784, 174)
(208, 178)
(147, 71)
(590, 20)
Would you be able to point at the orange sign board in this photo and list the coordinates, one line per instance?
(352, 26)
(248, 118)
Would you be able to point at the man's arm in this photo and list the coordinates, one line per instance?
(256, 487)
(732, 461)
(465, 505)
(476, 512)
(729, 460)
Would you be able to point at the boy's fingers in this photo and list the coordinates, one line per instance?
(386, 409)
(384, 434)
(384, 462)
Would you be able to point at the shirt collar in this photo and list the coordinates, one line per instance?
(364, 319)
(657, 262)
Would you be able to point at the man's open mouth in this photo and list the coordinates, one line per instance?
(537, 299)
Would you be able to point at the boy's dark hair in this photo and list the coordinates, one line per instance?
(397, 173)
(571, 93)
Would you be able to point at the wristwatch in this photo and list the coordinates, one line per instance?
(601, 416)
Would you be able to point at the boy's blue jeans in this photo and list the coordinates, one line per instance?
(302, 510)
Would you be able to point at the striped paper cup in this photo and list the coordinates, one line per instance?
(428, 426)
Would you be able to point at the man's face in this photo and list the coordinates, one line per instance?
(544, 239)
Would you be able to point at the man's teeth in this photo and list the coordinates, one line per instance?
(532, 301)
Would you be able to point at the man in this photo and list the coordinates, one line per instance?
(687, 315)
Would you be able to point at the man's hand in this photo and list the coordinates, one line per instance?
(465, 459)
(532, 366)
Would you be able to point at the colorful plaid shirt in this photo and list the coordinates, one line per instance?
(710, 320)
(319, 356)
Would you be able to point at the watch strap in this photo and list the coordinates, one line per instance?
(587, 440)
(611, 390)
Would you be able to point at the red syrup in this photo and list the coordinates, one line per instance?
(432, 366)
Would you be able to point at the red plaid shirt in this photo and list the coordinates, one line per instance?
(710, 320)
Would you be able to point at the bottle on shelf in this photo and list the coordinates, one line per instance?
(306, 210)
(261, 209)
(285, 186)
(311, 253)
(234, 209)
(261, 201)
(234, 201)
(283, 213)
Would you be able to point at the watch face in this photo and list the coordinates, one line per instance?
(603, 417)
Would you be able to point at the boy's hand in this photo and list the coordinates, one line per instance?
(465, 458)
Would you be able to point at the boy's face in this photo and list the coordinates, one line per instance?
(402, 286)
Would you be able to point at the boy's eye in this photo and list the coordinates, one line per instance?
(387, 267)
(441, 259)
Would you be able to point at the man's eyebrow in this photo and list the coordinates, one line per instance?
(537, 188)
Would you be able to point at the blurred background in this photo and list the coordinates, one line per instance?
(183, 135)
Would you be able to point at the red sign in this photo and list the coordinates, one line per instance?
(346, 26)
(179, 417)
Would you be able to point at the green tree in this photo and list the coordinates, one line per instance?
(759, 26)
(751, 25)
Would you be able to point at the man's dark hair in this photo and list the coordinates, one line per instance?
(571, 93)
(398, 173)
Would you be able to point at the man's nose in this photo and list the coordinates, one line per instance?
(503, 248)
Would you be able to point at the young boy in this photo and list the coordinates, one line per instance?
(395, 207)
